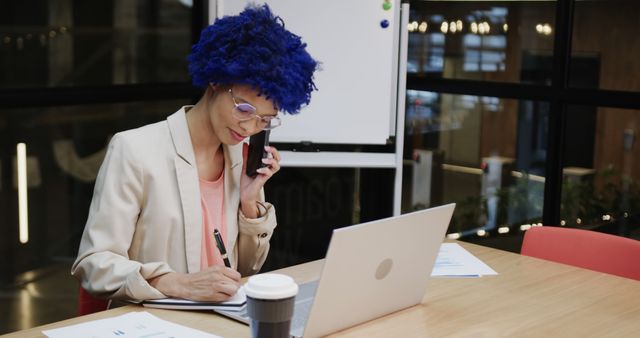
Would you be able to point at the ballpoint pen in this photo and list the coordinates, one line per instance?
(223, 250)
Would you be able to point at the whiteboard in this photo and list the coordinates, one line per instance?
(357, 85)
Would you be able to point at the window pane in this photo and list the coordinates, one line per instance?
(73, 43)
(484, 153)
(601, 187)
(605, 46)
(64, 150)
(484, 40)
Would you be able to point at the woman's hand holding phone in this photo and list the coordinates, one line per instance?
(250, 187)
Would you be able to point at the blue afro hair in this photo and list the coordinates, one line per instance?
(254, 48)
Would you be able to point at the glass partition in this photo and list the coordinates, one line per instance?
(605, 45)
(603, 192)
(509, 41)
(486, 154)
(62, 148)
(76, 43)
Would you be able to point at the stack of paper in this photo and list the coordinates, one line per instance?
(454, 261)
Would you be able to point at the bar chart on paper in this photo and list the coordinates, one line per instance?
(130, 325)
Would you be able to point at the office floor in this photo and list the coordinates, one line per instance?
(37, 298)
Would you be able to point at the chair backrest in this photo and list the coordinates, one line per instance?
(584, 248)
(88, 304)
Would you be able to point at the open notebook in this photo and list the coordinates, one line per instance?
(236, 303)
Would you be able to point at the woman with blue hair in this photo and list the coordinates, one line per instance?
(164, 189)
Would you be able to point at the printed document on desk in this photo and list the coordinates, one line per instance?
(236, 303)
(454, 261)
(129, 325)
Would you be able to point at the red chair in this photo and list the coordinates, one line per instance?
(584, 248)
(88, 304)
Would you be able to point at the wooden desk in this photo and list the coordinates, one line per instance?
(529, 298)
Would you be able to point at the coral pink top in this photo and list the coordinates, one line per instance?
(212, 200)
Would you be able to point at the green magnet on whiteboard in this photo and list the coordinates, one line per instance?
(386, 6)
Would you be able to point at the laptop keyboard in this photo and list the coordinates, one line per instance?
(304, 300)
(301, 315)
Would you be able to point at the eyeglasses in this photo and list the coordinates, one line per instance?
(244, 111)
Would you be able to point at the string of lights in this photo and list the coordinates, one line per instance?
(473, 27)
(39, 38)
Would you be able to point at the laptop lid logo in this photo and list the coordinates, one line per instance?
(384, 268)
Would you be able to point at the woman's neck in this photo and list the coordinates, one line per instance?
(201, 131)
(206, 145)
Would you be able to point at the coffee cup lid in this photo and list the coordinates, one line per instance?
(270, 286)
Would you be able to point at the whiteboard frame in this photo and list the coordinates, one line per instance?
(356, 98)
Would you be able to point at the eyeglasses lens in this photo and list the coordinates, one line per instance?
(244, 111)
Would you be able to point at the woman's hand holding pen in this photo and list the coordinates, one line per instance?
(215, 283)
(250, 186)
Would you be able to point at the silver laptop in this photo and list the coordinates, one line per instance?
(371, 269)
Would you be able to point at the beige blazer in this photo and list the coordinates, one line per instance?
(145, 218)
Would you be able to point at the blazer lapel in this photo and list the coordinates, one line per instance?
(232, 175)
(188, 185)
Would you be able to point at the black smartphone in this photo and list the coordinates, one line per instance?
(257, 143)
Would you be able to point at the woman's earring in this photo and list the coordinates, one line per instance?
(213, 89)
